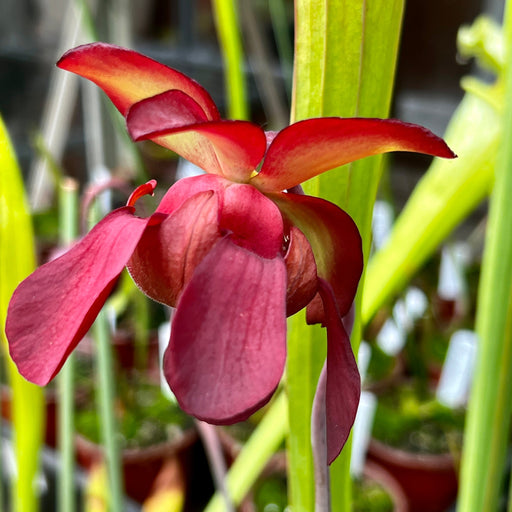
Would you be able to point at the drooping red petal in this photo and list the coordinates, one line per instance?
(232, 149)
(335, 241)
(166, 256)
(343, 380)
(228, 338)
(252, 220)
(128, 77)
(54, 307)
(310, 147)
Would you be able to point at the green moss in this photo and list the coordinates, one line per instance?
(416, 423)
(369, 496)
(145, 417)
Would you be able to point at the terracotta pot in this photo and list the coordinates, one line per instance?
(141, 466)
(429, 481)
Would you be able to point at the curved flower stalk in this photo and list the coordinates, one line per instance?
(236, 250)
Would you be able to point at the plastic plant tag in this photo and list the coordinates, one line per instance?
(403, 319)
(457, 373)
(393, 334)
(452, 285)
(362, 432)
(382, 222)
(164, 333)
(391, 338)
(363, 359)
(416, 303)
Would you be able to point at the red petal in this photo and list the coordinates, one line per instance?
(252, 220)
(127, 76)
(54, 307)
(311, 147)
(343, 380)
(334, 239)
(166, 111)
(174, 120)
(185, 188)
(228, 339)
(165, 258)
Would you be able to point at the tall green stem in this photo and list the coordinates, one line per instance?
(68, 222)
(17, 260)
(488, 422)
(345, 57)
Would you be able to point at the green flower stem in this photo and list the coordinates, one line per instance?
(68, 222)
(226, 21)
(17, 261)
(263, 443)
(487, 432)
(306, 355)
(345, 59)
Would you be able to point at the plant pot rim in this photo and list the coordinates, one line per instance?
(165, 448)
(411, 459)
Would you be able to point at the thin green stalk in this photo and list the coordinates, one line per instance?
(106, 409)
(226, 21)
(68, 222)
(487, 432)
(263, 443)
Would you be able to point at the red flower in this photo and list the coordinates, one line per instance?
(236, 250)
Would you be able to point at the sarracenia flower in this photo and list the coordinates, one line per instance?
(236, 250)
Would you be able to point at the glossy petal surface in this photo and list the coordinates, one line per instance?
(232, 149)
(335, 241)
(54, 307)
(310, 147)
(228, 340)
(343, 380)
(167, 254)
(128, 77)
